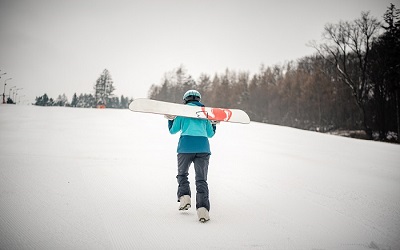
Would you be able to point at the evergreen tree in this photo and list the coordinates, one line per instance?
(74, 101)
(124, 102)
(42, 100)
(61, 100)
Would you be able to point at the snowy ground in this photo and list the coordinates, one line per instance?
(105, 179)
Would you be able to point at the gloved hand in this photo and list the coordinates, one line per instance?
(170, 117)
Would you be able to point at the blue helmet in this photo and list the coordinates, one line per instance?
(191, 95)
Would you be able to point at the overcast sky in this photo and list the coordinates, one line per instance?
(56, 47)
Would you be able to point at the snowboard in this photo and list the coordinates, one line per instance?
(168, 108)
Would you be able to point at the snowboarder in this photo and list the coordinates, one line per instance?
(193, 146)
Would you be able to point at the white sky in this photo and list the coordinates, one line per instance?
(56, 47)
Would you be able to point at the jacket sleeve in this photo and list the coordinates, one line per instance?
(170, 123)
(174, 126)
(211, 128)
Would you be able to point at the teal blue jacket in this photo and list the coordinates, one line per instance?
(194, 133)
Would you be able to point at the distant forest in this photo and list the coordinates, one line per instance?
(352, 82)
(82, 101)
(102, 98)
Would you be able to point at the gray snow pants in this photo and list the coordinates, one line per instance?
(200, 161)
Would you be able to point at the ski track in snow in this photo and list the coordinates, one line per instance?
(105, 179)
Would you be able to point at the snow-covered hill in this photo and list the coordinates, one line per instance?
(105, 179)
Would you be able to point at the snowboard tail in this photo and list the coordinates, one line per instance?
(167, 108)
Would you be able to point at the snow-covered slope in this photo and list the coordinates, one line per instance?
(105, 179)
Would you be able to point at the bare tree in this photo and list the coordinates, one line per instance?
(347, 46)
(103, 88)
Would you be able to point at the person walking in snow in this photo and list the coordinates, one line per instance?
(193, 147)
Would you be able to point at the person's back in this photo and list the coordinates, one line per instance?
(194, 133)
(193, 146)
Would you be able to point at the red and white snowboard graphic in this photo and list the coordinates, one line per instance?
(217, 114)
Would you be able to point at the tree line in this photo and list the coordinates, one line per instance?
(352, 82)
(82, 101)
(102, 97)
